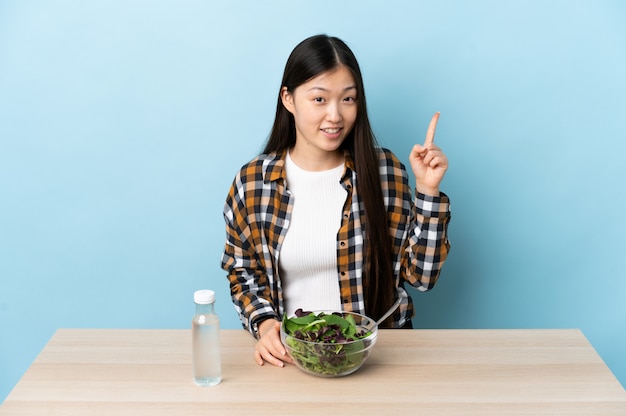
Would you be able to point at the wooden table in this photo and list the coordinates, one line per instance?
(431, 372)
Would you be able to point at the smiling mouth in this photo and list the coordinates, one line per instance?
(331, 131)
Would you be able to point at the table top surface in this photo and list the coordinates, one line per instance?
(435, 372)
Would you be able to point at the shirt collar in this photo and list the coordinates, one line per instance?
(276, 166)
(349, 165)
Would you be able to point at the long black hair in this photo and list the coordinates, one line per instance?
(310, 58)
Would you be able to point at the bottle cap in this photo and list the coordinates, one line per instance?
(204, 297)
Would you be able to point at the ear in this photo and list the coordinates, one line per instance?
(287, 98)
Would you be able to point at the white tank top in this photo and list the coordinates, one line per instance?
(308, 257)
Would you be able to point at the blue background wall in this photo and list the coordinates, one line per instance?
(122, 124)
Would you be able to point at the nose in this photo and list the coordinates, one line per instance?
(333, 113)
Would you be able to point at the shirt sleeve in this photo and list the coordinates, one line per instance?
(427, 245)
(418, 227)
(249, 285)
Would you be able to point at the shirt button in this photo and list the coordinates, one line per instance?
(342, 244)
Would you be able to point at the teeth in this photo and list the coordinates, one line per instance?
(331, 131)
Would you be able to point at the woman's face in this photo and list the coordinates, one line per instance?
(324, 110)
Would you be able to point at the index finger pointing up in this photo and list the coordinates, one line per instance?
(432, 127)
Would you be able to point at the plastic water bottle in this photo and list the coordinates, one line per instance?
(207, 368)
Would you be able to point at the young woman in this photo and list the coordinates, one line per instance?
(324, 219)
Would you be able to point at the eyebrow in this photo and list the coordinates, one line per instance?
(351, 87)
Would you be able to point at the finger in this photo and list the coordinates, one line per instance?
(430, 155)
(285, 356)
(258, 358)
(432, 127)
(418, 151)
(267, 355)
(273, 360)
(438, 162)
(279, 348)
(277, 345)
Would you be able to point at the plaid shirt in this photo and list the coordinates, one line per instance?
(257, 214)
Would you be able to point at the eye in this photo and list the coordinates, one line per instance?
(318, 99)
(350, 99)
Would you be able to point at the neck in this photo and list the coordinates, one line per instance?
(316, 162)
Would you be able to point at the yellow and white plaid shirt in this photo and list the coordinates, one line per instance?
(257, 214)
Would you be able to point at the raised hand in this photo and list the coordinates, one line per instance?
(428, 162)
